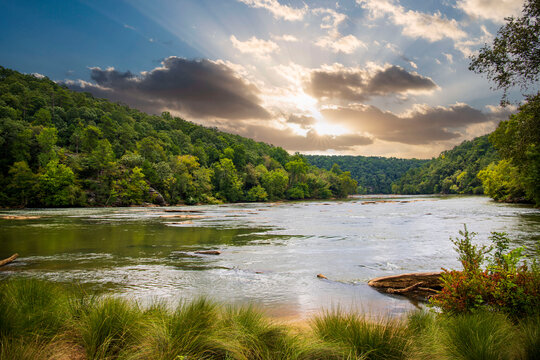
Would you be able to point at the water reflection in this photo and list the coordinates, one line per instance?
(270, 253)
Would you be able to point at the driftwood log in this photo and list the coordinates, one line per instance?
(8, 260)
(419, 286)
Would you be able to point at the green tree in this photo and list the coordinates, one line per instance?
(514, 57)
(226, 180)
(57, 185)
(275, 183)
(22, 184)
(47, 139)
(131, 189)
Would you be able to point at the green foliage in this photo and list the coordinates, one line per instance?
(501, 181)
(517, 176)
(375, 175)
(62, 148)
(452, 172)
(514, 57)
(507, 284)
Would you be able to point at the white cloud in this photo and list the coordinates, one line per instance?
(495, 10)
(432, 27)
(346, 44)
(449, 57)
(279, 11)
(257, 47)
(285, 37)
(335, 41)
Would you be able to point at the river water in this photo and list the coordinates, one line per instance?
(270, 252)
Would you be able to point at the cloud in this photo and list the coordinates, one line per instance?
(495, 10)
(199, 88)
(312, 141)
(346, 44)
(285, 37)
(421, 125)
(279, 11)
(334, 40)
(432, 27)
(129, 27)
(254, 46)
(304, 121)
(355, 84)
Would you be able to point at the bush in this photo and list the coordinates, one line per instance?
(507, 283)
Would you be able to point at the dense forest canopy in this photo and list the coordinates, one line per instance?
(374, 174)
(452, 172)
(63, 148)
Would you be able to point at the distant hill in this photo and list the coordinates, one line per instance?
(63, 148)
(452, 172)
(375, 175)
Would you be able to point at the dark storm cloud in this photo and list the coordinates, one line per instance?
(398, 80)
(358, 85)
(422, 126)
(199, 88)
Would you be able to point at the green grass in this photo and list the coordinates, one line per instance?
(40, 320)
(364, 338)
(108, 328)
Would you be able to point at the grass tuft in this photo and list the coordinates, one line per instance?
(108, 328)
(364, 338)
(478, 336)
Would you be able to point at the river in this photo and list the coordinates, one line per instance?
(270, 252)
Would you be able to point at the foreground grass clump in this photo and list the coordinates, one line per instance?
(41, 320)
(363, 337)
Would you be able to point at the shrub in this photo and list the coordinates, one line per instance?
(507, 284)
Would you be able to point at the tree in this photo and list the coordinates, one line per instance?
(226, 180)
(57, 185)
(23, 183)
(514, 57)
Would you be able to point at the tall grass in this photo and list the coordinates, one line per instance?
(478, 336)
(108, 328)
(31, 307)
(40, 320)
(364, 338)
(530, 338)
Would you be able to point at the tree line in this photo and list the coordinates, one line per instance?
(63, 148)
(374, 174)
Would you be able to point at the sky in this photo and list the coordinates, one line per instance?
(356, 77)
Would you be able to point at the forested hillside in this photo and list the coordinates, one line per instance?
(452, 172)
(62, 148)
(374, 174)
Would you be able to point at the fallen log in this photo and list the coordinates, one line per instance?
(415, 285)
(9, 259)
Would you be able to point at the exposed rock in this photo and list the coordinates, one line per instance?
(321, 276)
(208, 252)
(156, 197)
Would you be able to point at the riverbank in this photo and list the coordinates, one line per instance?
(43, 320)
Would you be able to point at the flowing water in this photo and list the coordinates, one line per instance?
(270, 253)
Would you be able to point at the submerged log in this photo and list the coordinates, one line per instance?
(9, 259)
(415, 285)
(208, 252)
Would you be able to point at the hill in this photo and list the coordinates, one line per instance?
(452, 172)
(63, 148)
(374, 175)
